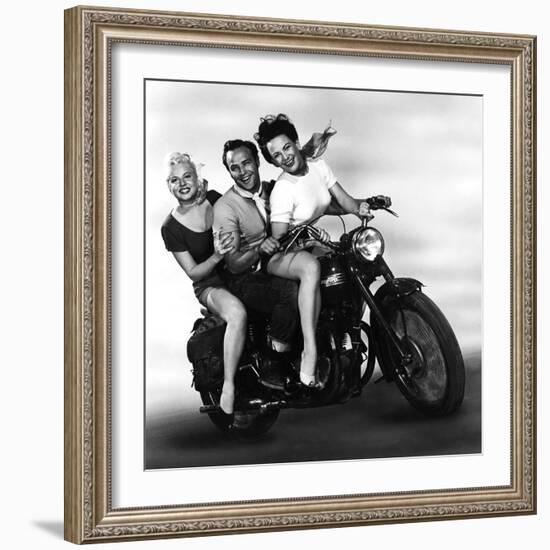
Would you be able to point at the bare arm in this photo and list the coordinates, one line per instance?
(279, 229)
(197, 272)
(194, 271)
(334, 209)
(346, 201)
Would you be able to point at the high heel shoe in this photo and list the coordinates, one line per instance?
(309, 380)
(224, 397)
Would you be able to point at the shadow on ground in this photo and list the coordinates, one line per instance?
(378, 424)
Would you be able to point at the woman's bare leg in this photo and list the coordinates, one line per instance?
(231, 310)
(302, 266)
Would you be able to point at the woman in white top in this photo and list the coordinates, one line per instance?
(303, 192)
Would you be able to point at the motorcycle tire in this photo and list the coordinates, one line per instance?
(434, 382)
(251, 425)
(368, 355)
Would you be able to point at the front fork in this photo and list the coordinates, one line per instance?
(405, 356)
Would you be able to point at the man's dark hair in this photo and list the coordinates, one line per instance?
(233, 144)
(271, 127)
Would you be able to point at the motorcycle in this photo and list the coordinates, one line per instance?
(408, 334)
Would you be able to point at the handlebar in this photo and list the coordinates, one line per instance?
(377, 202)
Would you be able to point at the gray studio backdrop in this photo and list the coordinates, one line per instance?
(424, 150)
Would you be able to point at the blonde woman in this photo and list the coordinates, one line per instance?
(187, 234)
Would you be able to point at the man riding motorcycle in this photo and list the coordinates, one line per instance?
(243, 211)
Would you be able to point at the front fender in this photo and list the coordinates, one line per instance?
(398, 287)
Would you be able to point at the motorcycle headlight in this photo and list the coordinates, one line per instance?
(367, 244)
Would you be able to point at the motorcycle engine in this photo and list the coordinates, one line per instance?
(334, 281)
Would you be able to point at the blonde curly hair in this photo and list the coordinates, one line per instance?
(177, 159)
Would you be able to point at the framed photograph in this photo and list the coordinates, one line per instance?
(299, 274)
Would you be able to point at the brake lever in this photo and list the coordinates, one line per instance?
(391, 211)
(381, 202)
(292, 240)
(312, 233)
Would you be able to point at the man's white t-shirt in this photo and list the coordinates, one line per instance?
(300, 199)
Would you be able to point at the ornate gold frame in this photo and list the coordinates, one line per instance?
(89, 34)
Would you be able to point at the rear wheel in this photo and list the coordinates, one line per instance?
(433, 381)
(247, 425)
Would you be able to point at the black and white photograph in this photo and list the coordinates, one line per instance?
(312, 273)
(300, 274)
(277, 277)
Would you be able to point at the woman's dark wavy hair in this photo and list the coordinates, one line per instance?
(233, 144)
(271, 127)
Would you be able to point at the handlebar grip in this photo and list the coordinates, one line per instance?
(379, 201)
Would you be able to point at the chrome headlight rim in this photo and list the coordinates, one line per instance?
(367, 251)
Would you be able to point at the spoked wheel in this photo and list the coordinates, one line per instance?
(367, 353)
(433, 380)
(247, 425)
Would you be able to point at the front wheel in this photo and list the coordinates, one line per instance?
(249, 425)
(433, 380)
(367, 353)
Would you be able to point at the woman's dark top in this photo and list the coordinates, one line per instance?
(200, 244)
